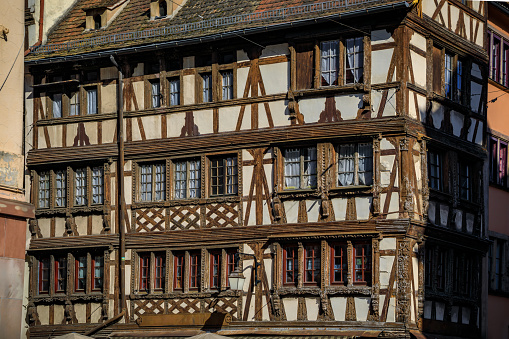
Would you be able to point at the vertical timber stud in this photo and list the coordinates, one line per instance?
(403, 281)
(406, 206)
(258, 252)
(376, 174)
(375, 291)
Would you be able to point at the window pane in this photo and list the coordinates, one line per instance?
(92, 101)
(74, 104)
(80, 192)
(354, 60)
(60, 188)
(329, 62)
(194, 179)
(98, 273)
(346, 165)
(365, 164)
(180, 180)
(156, 94)
(97, 185)
(448, 75)
(174, 92)
(309, 174)
(57, 105)
(44, 190)
(292, 168)
(146, 182)
(207, 87)
(231, 175)
(227, 85)
(160, 181)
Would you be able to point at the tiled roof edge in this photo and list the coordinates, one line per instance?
(274, 14)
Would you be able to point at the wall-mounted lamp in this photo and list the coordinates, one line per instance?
(236, 278)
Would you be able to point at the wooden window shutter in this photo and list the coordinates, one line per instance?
(437, 70)
(304, 65)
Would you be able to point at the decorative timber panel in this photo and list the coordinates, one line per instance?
(185, 305)
(223, 305)
(184, 217)
(150, 220)
(150, 306)
(222, 215)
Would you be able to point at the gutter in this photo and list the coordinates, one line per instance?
(500, 7)
(41, 24)
(201, 39)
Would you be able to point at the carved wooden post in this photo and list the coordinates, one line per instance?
(403, 281)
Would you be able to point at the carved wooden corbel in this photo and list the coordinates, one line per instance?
(32, 315)
(277, 209)
(33, 227)
(70, 226)
(293, 109)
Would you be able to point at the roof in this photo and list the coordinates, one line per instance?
(196, 18)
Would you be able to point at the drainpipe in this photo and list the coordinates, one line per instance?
(41, 24)
(120, 182)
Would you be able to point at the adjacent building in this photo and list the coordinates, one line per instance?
(332, 153)
(498, 132)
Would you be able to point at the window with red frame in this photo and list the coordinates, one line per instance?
(230, 265)
(60, 274)
(80, 281)
(339, 261)
(215, 269)
(194, 270)
(44, 276)
(290, 265)
(362, 263)
(178, 281)
(312, 260)
(97, 272)
(144, 272)
(159, 271)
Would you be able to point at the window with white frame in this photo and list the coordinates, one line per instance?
(300, 168)
(355, 164)
(354, 59)
(92, 104)
(60, 188)
(155, 87)
(227, 85)
(44, 189)
(329, 63)
(174, 92)
(207, 87)
(187, 179)
(152, 178)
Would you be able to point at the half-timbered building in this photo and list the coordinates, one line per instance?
(330, 152)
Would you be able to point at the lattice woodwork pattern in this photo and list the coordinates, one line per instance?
(223, 305)
(184, 217)
(187, 305)
(150, 306)
(150, 220)
(222, 215)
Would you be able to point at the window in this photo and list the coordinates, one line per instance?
(448, 75)
(60, 274)
(178, 271)
(428, 266)
(80, 187)
(434, 170)
(74, 104)
(300, 168)
(458, 88)
(44, 189)
(496, 264)
(218, 267)
(330, 63)
(498, 161)
(194, 270)
(355, 164)
(152, 181)
(495, 58)
(223, 176)
(152, 271)
(339, 264)
(187, 179)
(57, 105)
(362, 263)
(505, 64)
(354, 69)
(215, 269)
(159, 271)
(230, 264)
(144, 272)
(440, 268)
(97, 272)
(81, 274)
(465, 181)
(163, 8)
(207, 87)
(156, 93)
(227, 87)
(82, 178)
(312, 260)
(290, 265)
(44, 270)
(97, 21)
(92, 107)
(174, 92)
(97, 185)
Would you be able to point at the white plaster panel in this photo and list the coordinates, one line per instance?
(44, 227)
(41, 141)
(380, 62)
(349, 105)
(97, 224)
(265, 309)
(242, 55)
(419, 69)
(412, 112)
(263, 119)
(252, 214)
(108, 130)
(188, 88)
(81, 224)
(437, 113)
(108, 73)
(444, 215)
(112, 278)
(246, 121)
(112, 191)
(268, 270)
(469, 220)
(228, 117)
(311, 108)
(458, 219)
(291, 305)
(139, 92)
(466, 34)
(313, 210)
(188, 62)
(95, 315)
(280, 113)
(388, 244)
(393, 206)
(128, 269)
(43, 313)
(415, 268)
(203, 119)
(242, 81)
(138, 70)
(432, 212)
(175, 123)
(276, 77)
(418, 173)
(390, 104)
(418, 40)
(455, 13)
(439, 311)
(81, 312)
(362, 307)
(55, 135)
(339, 205)
(109, 98)
(72, 131)
(412, 308)
(338, 307)
(292, 210)
(457, 122)
(363, 207)
(91, 131)
(59, 227)
(152, 126)
(274, 50)
(475, 95)
(58, 313)
(386, 144)
(391, 312)
(247, 175)
(478, 39)
(312, 305)
(381, 36)
(386, 263)
(128, 189)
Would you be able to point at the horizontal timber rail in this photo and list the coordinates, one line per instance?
(241, 19)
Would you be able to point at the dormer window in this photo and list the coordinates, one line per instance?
(160, 9)
(163, 8)
(98, 17)
(97, 21)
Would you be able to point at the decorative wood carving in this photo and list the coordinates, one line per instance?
(403, 281)
(350, 313)
(302, 313)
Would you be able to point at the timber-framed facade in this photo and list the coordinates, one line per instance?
(343, 149)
